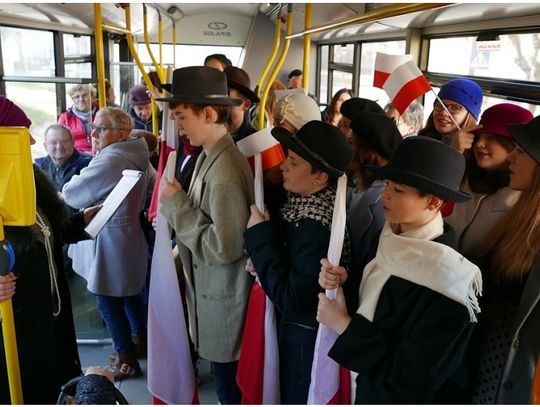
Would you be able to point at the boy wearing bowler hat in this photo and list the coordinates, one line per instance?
(287, 250)
(209, 220)
(418, 296)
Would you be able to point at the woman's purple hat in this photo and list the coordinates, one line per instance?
(495, 119)
(12, 115)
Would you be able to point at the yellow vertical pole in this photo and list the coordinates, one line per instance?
(307, 45)
(100, 63)
(279, 63)
(277, 40)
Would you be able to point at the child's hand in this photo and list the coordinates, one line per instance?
(257, 217)
(7, 287)
(333, 313)
(168, 189)
(464, 138)
(331, 276)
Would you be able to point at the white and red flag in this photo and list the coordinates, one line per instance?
(385, 64)
(258, 368)
(405, 84)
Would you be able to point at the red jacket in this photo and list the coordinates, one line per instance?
(83, 141)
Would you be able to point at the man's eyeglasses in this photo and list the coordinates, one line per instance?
(453, 108)
(103, 129)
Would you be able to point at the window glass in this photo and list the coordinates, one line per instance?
(38, 100)
(27, 52)
(344, 54)
(323, 84)
(79, 70)
(512, 56)
(76, 45)
(367, 61)
(341, 80)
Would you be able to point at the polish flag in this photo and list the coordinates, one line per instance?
(258, 368)
(385, 64)
(171, 379)
(330, 383)
(405, 84)
(168, 142)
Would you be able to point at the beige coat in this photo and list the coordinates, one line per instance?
(472, 220)
(210, 221)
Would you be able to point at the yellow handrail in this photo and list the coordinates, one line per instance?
(147, 38)
(307, 45)
(277, 40)
(100, 62)
(279, 63)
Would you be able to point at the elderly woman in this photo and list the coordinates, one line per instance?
(115, 264)
(79, 116)
(47, 348)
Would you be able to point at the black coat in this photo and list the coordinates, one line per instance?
(47, 347)
(413, 351)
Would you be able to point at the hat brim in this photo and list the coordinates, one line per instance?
(521, 134)
(288, 140)
(202, 100)
(420, 182)
(244, 90)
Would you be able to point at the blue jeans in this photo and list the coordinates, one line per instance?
(225, 383)
(124, 316)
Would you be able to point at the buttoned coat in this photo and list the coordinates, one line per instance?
(209, 222)
(521, 362)
(115, 262)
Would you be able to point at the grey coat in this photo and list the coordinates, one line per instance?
(520, 366)
(115, 263)
(209, 222)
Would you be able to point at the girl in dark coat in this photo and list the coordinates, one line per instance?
(417, 296)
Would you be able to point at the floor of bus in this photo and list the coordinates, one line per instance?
(90, 328)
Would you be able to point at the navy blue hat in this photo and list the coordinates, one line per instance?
(465, 92)
(378, 131)
(528, 137)
(295, 72)
(320, 144)
(428, 165)
(353, 105)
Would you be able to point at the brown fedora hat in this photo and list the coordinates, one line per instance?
(238, 79)
(199, 85)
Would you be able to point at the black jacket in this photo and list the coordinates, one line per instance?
(413, 351)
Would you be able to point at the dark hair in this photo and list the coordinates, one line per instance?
(486, 182)
(431, 131)
(223, 60)
(365, 155)
(221, 110)
(331, 107)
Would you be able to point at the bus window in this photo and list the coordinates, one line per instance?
(323, 84)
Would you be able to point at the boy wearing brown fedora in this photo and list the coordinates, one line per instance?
(286, 251)
(418, 296)
(209, 220)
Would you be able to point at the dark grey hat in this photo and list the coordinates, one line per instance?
(353, 105)
(320, 144)
(428, 165)
(199, 85)
(528, 137)
(378, 131)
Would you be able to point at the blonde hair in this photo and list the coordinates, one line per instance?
(82, 88)
(117, 117)
(514, 241)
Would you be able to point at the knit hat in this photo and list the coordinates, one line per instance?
(378, 131)
(353, 105)
(428, 165)
(138, 95)
(320, 144)
(12, 115)
(528, 137)
(295, 72)
(465, 92)
(298, 109)
(495, 119)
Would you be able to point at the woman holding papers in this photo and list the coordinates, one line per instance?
(115, 263)
(47, 349)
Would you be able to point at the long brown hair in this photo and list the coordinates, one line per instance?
(514, 241)
(431, 131)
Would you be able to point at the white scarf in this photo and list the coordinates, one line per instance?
(414, 257)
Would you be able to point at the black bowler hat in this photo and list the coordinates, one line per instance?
(238, 79)
(428, 165)
(199, 85)
(353, 105)
(528, 137)
(320, 144)
(378, 131)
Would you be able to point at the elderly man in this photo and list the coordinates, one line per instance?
(63, 160)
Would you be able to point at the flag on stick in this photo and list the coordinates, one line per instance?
(405, 84)
(326, 375)
(385, 64)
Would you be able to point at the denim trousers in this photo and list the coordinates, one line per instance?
(124, 316)
(225, 382)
